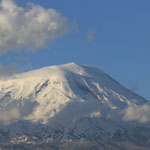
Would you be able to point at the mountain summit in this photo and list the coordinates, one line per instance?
(69, 103)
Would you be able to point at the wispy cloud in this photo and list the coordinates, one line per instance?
(15, 111)
(8, 116)
(134, 87)
(25, 61)
(9, 70)
(28, 27)
(91, 35)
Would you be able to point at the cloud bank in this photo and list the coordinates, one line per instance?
(28, 27)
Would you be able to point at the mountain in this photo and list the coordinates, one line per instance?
(68, 107)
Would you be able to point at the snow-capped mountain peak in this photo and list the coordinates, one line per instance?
(72, 89)
(62, 107)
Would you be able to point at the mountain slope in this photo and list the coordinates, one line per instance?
(69, 102)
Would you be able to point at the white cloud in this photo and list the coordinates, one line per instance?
(30, 27)
(137, 113)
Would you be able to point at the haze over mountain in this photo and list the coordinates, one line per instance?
(71, 106)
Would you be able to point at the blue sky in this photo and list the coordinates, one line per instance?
(111, 35)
